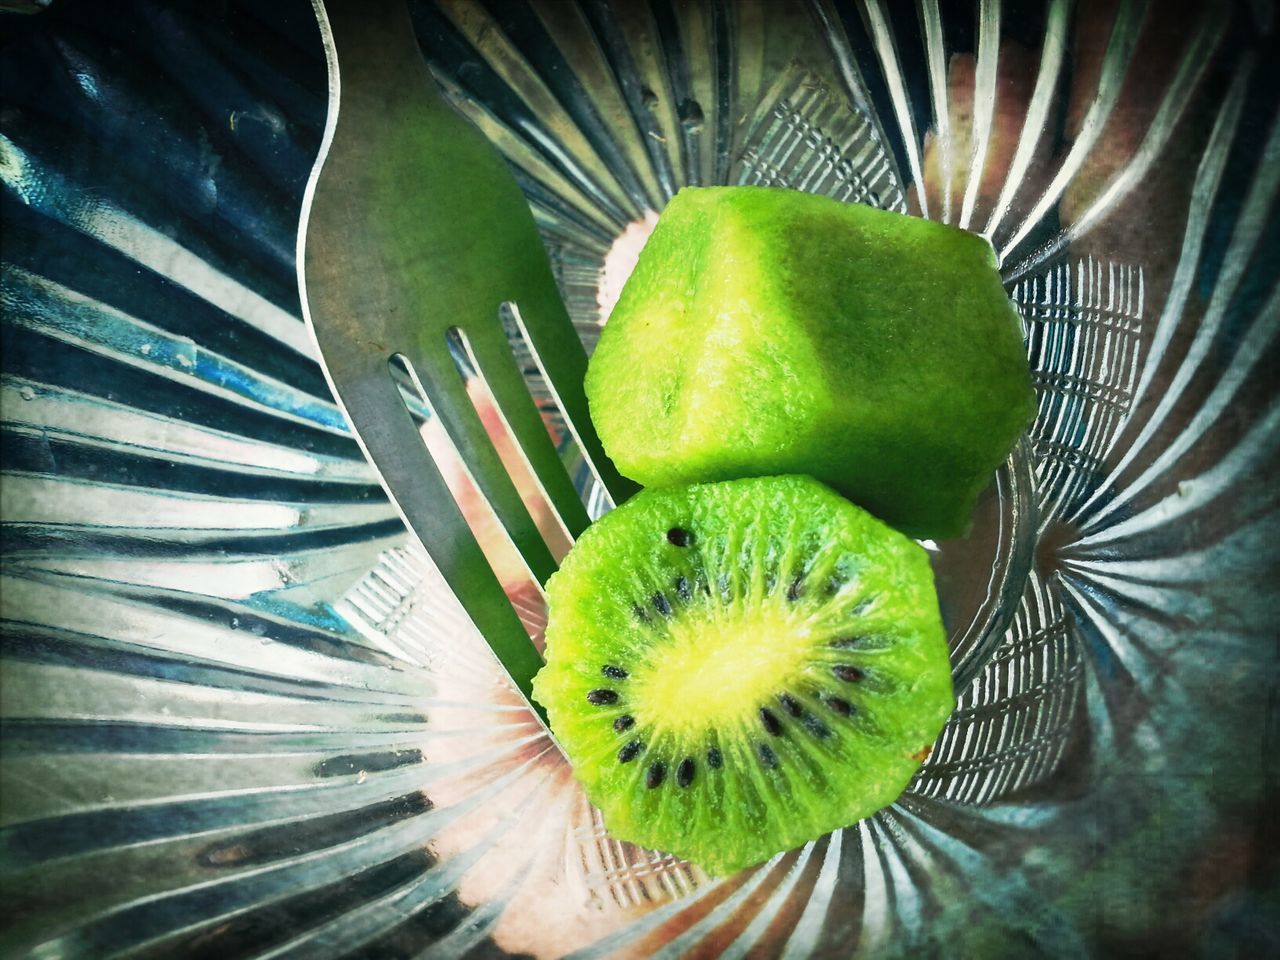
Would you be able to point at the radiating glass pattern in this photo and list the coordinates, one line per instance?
(243, 717)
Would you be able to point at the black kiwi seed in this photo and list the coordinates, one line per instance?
(661, 605)
(630, 751)
(624, 723)
(815, 726)
(602, 698)
(614, 673)
(796, 589)
(791, 704)
(682, 588)
(847, 673)
(715, 760)
(842, 707)
(766, 755)
(865, 604)
(640, 612)
(678, 537)
(684, 772)
(848, 643)
(654, 775)
(770, 722)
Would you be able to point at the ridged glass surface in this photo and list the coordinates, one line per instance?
(243, 717)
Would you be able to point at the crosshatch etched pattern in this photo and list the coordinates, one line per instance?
(385, 607)
(810, 139)
(1084, 327)
(403, 607)
(1012, 725)
(631, 875)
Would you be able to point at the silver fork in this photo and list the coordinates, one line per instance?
(412, 227)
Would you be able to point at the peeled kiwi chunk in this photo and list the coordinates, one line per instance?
(736, 668)
(767, 331)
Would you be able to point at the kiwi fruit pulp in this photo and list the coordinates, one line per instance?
(735, 668)
(880, 353)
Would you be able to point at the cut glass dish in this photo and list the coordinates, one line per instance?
(242, 717)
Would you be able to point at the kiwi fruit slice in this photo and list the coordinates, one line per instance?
(769, 331)
(736, 668)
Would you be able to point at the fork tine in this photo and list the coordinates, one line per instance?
(446, 392)
(491, 353)
(562, 360)
(418, 491)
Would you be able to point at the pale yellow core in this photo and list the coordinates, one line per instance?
(718, 672)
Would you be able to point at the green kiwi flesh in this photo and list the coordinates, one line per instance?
(736, 668)
(768, 331)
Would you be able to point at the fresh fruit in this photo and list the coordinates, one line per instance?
(736, 668)
(767, 331)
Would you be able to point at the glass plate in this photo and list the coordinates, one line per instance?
(243, 718)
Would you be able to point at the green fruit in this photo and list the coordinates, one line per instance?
(736, 668)
(767, 331)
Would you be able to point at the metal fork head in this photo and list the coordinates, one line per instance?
(413, 228)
